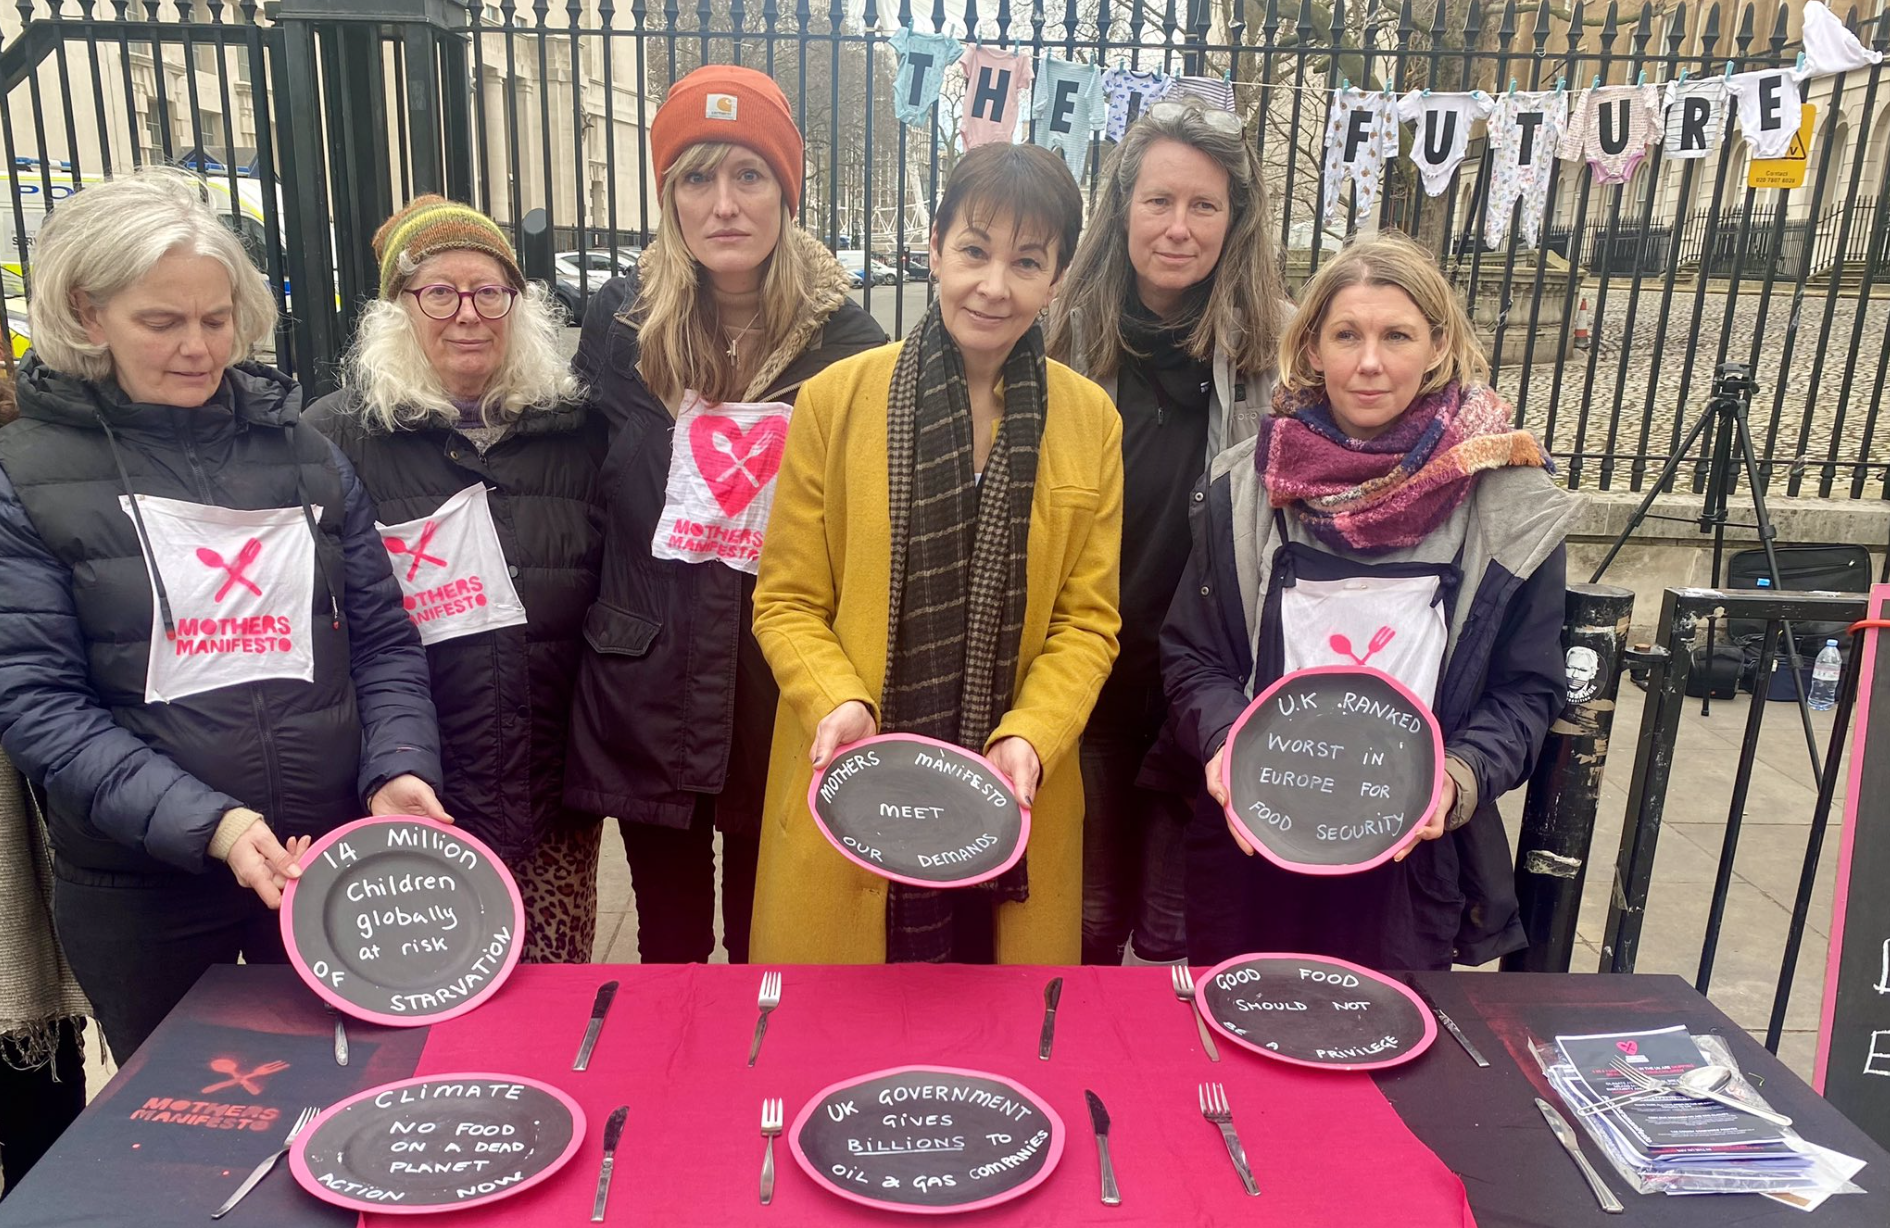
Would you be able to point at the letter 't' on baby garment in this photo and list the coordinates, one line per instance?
(1769, 109)
(1611, 128)
(1696, 116)
(1067, 103)
(1441, 133)
(1361, 137)
(1130, 93)
(1525, 130)
(1829, 46)
(923, 59)
(993, 81)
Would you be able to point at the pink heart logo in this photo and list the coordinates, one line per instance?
(1629, 1047)
(736, 464)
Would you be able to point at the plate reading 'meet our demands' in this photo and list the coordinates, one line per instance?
(440, 1143)
(927, 1139)
(1332, 770)
(401, 920)
(1315, 1011)
(920, 811)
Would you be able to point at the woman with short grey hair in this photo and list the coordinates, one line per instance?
(203, 656)
(1174, 307)
(464, 421)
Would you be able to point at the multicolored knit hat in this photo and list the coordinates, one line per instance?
(430, 225)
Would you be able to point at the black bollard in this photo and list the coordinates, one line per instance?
(535, 249)
(1565, 789)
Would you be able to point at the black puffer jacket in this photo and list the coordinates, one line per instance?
(504, 696)
(655, 716)
(136, 789)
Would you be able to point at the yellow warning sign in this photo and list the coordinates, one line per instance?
(1788, 171)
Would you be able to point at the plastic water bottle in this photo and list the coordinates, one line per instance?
(1824, 677)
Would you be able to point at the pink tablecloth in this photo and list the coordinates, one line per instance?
(1326, 1148)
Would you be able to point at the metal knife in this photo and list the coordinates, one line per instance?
(341, 1042)
(1450, 1025)
(1565, 1135)
(599, 1008)
(613, 1131)
(1099, 1120)
(1051, 993)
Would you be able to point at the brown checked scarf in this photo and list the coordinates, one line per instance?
(959, 581)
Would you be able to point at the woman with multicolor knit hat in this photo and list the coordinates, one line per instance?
(463, 420)
(731, 309)
(1388, 504)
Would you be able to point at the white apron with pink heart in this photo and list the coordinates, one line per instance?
(240, 586)
(454, 579)
(722, 466)
(1393, 624)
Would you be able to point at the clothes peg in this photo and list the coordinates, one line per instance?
(1729, 67)
(1683, 76)
(1597, 82)
(1561, 85)
(1512, 87)
(1800, 67)
(1642, 79)
(1227, 75)
(1345, 83)
(1427, 91)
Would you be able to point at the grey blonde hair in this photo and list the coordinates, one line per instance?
(393, 387)
(679, 337)
(108, 237)
(1386, 259)
(1242, 314)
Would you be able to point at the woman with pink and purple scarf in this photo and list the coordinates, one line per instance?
(1388, 506)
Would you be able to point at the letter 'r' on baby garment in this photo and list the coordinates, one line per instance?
(923, 59)
(1442, 132)
(1769, 110)
(1696, 116)
(993, 81)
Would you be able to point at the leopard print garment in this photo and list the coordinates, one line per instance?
(559, 884)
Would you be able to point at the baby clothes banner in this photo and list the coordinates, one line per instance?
(1769, 110)
(1130, 93)
(454, 579)
(1361, 137)
(1525, 130)
(722, 467)
(1612, 128)
(923, 59)
(1696, 116)
(1068, 106)
(993, 80)
(240, 587)
(1214, 91)
(1443, 123)
(1830, 47)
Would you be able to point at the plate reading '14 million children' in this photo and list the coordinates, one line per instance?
(401, 920)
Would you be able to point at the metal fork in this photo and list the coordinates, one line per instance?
(1183, 978)
(262, 1170)
(1214, 1107)
(771, 1118)
(769, 999)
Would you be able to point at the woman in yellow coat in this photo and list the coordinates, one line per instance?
(942, 560)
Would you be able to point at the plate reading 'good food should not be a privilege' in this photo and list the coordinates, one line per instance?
(1315, 1011)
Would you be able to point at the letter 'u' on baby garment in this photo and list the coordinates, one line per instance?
(1612, 128)
(1361, 137)
(1696, 116)
(1525, 130)
(1442, 133)
(923, 59)
(993, 80)
(1769, 110)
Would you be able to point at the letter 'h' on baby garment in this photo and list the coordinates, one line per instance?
(993, 80)
(1361, 137)
(923, 59)
(1524, 132)
(1769, 110)
(1612, 128)
(1443, 132)
(1696, 116)
(1067, 104)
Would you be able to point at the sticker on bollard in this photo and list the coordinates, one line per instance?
(1332, 770)
(919, 811)
(439, 1143)
(928, 1139)
(1312, 1010)
(401, 920)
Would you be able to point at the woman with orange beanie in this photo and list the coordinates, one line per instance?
(732, 303)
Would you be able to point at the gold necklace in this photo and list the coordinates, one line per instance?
(735, 337)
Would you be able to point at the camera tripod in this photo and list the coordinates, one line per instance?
(1725, 415)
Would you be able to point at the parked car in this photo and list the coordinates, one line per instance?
(856, 265)
(579, 276)
(918, 264)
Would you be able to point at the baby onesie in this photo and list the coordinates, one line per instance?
(1443, 132)
(1130, 93)
(923, 59)
(1524, 132)
(1612, 128)
(993, 80)
(1361, 136)
(1769, 110)
(1830, 47)
(1696, 116)
(1211, 90)
(1068, 106)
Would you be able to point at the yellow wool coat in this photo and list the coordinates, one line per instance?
(820, 617)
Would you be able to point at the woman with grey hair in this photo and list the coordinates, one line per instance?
(1174, 307)
(462, 418)
(203, 656)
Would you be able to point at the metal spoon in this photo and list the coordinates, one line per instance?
(1704, 1082)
